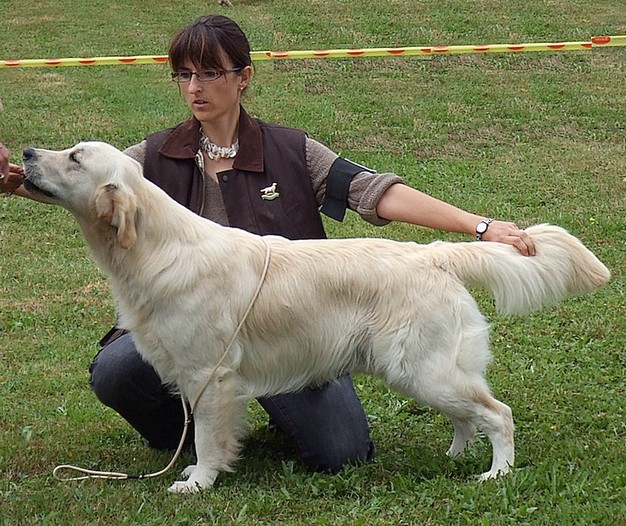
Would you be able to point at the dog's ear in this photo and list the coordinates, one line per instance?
(118, 208)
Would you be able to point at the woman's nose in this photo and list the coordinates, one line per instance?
(194, 84)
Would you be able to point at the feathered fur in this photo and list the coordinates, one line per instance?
(400, 311)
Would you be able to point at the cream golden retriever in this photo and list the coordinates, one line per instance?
(225, 315)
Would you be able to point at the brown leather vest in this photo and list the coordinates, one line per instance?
(269, 155)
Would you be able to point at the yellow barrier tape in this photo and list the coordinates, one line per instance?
(619, 40)
(423, 51)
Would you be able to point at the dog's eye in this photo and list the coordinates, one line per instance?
(74, 157)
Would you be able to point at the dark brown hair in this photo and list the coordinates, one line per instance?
(208, 42)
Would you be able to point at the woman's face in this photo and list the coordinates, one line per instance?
(210, 100)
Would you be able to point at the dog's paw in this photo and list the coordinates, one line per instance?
(494, 474)
(454, 452)
(188, 471)
(184, 486)
(198, 480)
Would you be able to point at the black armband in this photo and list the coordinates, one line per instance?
(337, 187)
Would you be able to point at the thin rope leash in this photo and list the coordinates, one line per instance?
(93, 474)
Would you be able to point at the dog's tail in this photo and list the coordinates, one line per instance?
(561, 267)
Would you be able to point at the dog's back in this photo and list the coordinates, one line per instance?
(341, 300)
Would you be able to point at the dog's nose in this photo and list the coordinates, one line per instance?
(28, 154)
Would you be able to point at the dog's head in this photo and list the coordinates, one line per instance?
(93, 180)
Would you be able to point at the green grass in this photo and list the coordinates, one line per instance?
(531, 138)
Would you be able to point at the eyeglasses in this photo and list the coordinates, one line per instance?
(208, 75)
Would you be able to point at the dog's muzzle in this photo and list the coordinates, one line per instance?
(29, 155)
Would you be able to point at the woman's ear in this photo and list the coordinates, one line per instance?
(244, 77)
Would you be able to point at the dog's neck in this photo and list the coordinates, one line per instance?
(158, 218)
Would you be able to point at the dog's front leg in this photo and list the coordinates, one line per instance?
(216, 418)
(203, 474)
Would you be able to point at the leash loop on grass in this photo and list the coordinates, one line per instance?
(88, 473)
(114, 475)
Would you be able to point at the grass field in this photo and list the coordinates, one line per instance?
(535, 137)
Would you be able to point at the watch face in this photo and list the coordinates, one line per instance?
(481, 228)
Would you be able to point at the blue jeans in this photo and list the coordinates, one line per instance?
(327, 424)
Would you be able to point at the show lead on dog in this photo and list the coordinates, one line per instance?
(240, 171)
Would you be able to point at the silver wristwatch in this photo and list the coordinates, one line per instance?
(482, 227)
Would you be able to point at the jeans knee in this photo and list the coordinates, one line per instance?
(326, 423)
(334, 457)
(107, 382)
(120, 377)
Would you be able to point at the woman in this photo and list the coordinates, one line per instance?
(267, 179)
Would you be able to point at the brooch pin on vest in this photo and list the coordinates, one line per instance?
(269, 193)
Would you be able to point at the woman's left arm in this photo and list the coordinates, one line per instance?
(403, 203)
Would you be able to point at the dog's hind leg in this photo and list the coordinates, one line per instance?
(464, 433)
(459, 389)
(475, 408)
(217, 422)
(495, 419)
(465, 398)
